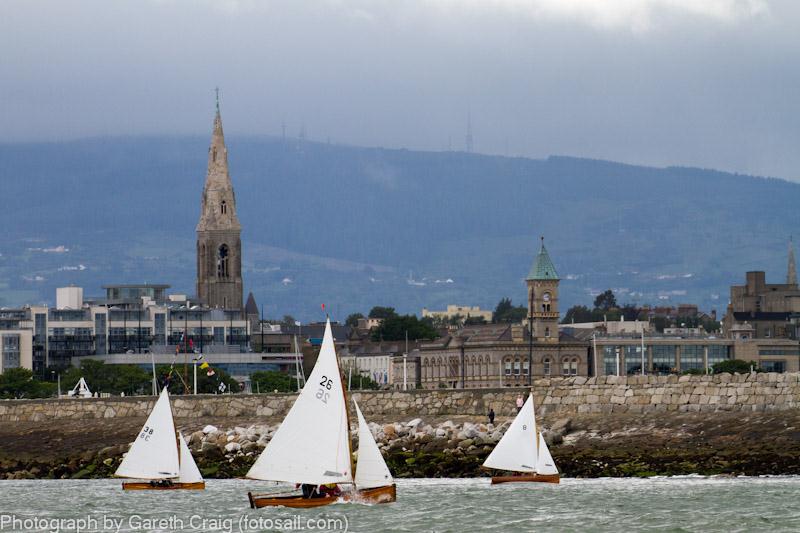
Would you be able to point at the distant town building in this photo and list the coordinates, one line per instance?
(461, 312)
(772, 310)
(492, 355)
(126, 321)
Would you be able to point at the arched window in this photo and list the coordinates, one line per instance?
(546, 364)
(565, 365)
(546, 332)
(508, 366)
(214, 155)
(223, 207)
(222, 261)
(573, 367)
(517, 366)
(525, 367)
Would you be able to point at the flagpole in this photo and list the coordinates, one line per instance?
(195, 377)
(155, 383)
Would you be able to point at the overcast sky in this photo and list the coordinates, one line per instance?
(710, 83)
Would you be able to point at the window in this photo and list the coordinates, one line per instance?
(573, 367)
(664, 358)
(691, 357)
(610, 360)
(546, 364)
(633, 359)
(223, 207)
(222, 261)
(774, 366)
(525, 368)
(517, 367)
(717, 353)
(546, 332)
(508, 367)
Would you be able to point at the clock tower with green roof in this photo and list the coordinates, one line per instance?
(543, 312)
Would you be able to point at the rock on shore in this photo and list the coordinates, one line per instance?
(582, 446)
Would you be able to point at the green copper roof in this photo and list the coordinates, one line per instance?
(543, 267)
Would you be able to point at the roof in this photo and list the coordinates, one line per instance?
(251, 308)
(543, 268)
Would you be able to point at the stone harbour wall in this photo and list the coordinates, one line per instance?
(553, 396)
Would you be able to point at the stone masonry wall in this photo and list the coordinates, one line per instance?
(604, 394)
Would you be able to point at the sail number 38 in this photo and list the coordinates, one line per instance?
(325, 384)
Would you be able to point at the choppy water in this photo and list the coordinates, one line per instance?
(655, 504)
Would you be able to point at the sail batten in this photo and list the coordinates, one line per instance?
(312, 445)
(371, 469)
(154, 453)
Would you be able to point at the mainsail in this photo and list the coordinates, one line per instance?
(154, 454)
(312, 445)
(516, 451)
(189, 472)
(371, 469)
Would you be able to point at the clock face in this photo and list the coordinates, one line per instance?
(546, 297)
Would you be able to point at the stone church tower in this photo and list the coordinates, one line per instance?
(543, 312)
(219, 246)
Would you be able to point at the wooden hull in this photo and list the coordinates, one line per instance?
(146, 485)
(387, 494)
(527, 478)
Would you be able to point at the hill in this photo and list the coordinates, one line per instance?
(356, 227)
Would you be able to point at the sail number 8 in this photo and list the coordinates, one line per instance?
(325, 384)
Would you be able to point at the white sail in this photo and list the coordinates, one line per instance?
(189, 473)
(312, 445)
(154, 454)
(545, 463)
(371, 469)
(516, 451)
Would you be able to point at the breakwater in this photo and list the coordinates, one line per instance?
(553, 396)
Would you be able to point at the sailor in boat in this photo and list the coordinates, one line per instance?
(331, 489)
(161, 483)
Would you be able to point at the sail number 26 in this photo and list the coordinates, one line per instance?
(325, 384)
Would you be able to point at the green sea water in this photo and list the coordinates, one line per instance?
(690, 503)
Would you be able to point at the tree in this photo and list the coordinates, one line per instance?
(735, 365)
(19, 383)
(395, 328)
(605, 300)
(473, 320)
(352, 319)
(272, 380)
(506, 312)
(362, 382)
(578, 313)
(113, 379)
(382, 312)
(630, 312)
(288, 320)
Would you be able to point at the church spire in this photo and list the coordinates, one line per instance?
(791, 274)
(219, 244)
(218, 210)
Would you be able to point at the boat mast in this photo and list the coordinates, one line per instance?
(347, 416)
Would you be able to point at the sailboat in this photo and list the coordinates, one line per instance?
(159, 455)
(312, 446)
(523, 450)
